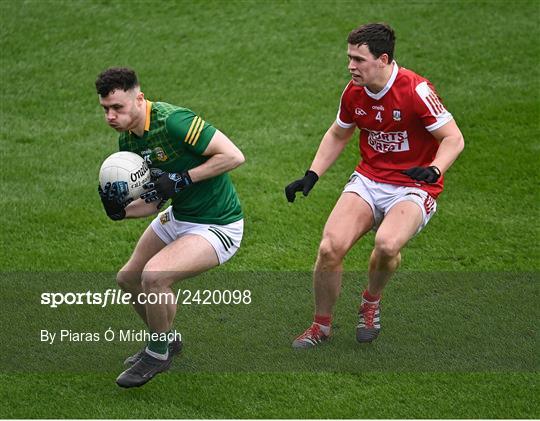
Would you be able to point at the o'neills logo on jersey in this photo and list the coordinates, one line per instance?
(389, 142)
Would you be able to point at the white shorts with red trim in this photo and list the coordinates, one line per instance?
(225, 239)
(382, 197)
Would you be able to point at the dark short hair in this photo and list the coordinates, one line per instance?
(379, 38)
(116, 78)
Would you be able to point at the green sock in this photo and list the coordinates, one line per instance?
(159, 347)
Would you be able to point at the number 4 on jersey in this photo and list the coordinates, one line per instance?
(378, 117)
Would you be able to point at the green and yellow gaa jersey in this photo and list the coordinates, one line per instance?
(174, 140)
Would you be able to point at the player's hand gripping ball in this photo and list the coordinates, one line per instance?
(165, 185)
(126, 167)
(114, 199)
(121, 179)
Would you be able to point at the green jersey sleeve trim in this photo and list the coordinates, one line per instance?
(190, 130)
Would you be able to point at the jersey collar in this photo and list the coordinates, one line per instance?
(148, 111)
(388, 85)
(147, 118)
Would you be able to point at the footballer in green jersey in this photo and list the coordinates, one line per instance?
(202, 227)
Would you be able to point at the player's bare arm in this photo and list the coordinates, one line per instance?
(332, 144)
(451, 145)
(224, 156)
(140, 209)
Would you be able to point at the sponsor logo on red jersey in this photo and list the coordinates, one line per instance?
(388, 141)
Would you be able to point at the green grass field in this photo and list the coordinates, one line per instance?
(460, 320)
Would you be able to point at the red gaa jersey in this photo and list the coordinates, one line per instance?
(395, 126)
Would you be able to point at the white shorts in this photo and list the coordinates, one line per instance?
(225, 239)
(382, 197)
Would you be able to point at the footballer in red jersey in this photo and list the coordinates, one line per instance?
(408, 140)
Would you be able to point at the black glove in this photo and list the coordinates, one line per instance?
(428, 174)
(114, 199)
(165, 186)
(304, 185)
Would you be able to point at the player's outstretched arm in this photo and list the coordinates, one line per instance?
(331, 146)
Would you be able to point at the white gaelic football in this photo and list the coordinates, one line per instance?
(128, 167)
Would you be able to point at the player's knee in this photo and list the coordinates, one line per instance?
(387, 246)
(127, 279)
(331, 251)
(151, 280)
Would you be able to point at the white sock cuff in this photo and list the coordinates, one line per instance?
(370, 302)
(162, 357)
(324, 329)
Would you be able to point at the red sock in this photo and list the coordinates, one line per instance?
(371, 298)
(325, 320)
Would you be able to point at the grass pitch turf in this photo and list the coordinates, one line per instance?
(269, 75)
